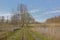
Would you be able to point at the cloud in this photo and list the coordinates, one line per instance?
(34, 11)
(5, 14)
(51, 12)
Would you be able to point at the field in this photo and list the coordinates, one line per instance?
(51, 32)
(38, 32)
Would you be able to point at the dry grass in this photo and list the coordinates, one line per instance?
(3, 34)
(53, 33)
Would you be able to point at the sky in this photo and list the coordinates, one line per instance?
(41, 10)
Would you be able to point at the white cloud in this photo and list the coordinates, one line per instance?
(5, 14)
(34, 11)
(56, 11)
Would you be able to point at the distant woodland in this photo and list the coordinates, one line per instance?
(53, 20)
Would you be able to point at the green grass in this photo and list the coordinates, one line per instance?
(38, 35)
(19, 36)
(29, 36)
(16, 36)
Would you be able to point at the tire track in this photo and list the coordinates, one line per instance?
(24, 35)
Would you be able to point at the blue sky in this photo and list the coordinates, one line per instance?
(39, 9)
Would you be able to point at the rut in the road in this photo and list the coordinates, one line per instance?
(23, 36)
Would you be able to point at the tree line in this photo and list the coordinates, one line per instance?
(55, 19)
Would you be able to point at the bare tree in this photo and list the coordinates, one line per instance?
(2, 19)
(25, 16)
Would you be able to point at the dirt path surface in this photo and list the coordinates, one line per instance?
(23, 36)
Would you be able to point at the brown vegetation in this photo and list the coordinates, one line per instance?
(53, 20)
